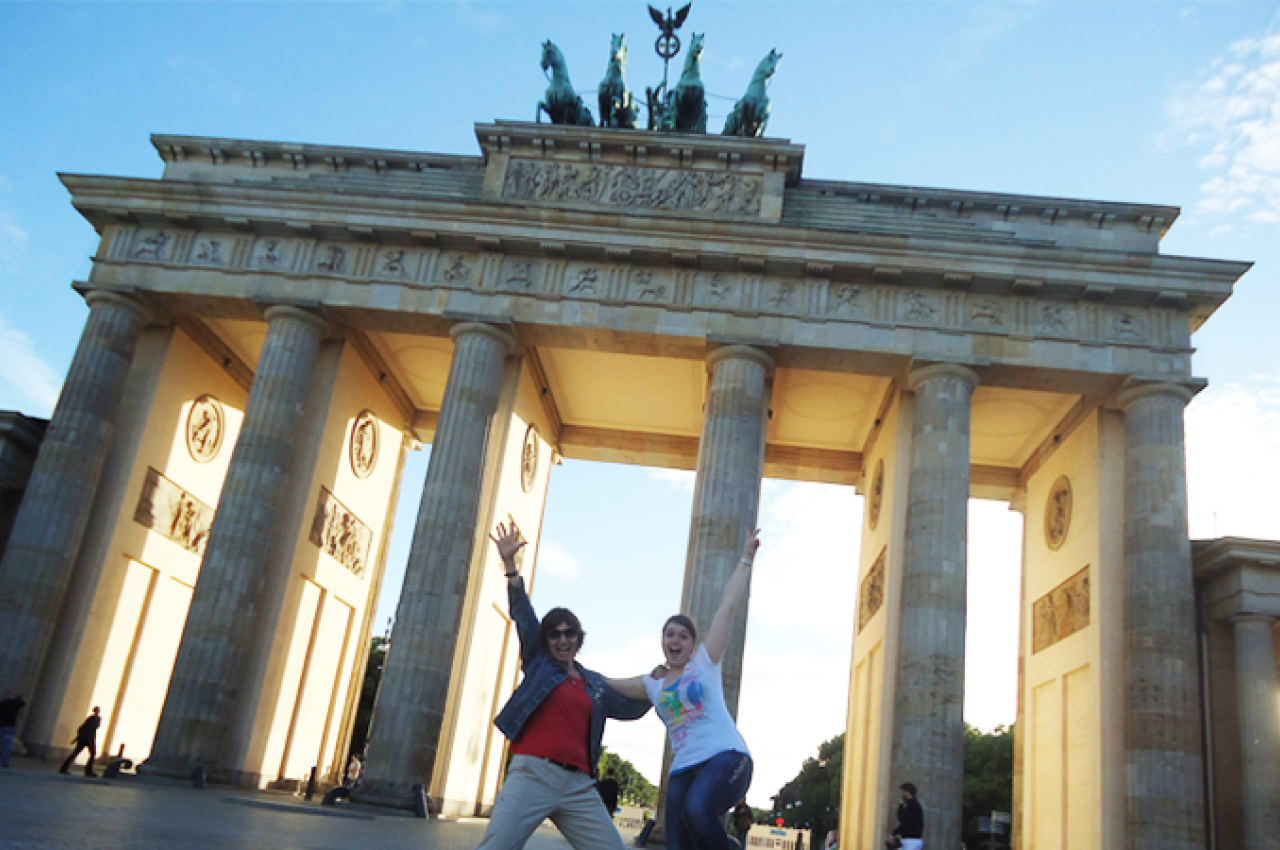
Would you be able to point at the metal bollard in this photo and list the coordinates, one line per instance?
(198, 776)
(420, 801)
(311, 785)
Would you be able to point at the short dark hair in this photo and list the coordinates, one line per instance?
(909, 787)
(682, 620)
(560, 617)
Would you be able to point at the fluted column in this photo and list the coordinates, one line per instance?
(1258, 710)
(224, 607)
(50, 523)
(415, 683)
(928, 726)
(1164, 794)
(726, 497)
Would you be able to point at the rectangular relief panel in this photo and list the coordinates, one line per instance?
(340, 534)
(1061, 612)
(172, 512)
(871, 592)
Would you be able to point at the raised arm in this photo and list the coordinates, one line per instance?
(632, 688)
(718, 635)
(509, 540)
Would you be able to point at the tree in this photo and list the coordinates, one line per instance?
(633, 788)
(988, 780)
(812, 799)
(368, 692)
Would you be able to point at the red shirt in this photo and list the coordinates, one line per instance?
(558, 729)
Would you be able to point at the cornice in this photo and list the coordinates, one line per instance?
(1194, 284)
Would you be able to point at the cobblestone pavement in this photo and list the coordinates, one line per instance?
(40, 809)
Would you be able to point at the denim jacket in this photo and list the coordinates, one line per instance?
(542, 674)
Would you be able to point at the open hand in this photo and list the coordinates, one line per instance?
(509, 540)
(749, 548)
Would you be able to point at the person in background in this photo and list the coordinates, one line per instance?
(910, 828)
(607, 788)
(10, 707)
(86, 739)
(742, 820)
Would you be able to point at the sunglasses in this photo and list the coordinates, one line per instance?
(570, 633)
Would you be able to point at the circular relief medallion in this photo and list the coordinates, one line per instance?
(1057, 514)
(529, 459)
(364, 444)
(205, 426)
(877, 495)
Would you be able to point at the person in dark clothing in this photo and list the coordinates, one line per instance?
(10, 706)
(86, 739)
(607, 788)
(910, 829)
(742, 819)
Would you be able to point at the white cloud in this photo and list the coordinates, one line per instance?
(21, 367)
(677, 479)
(1235, 114)
(13, 240)
(1233, 459)
(558, 561)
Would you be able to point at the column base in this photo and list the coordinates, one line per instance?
(388, 794)
(179, 768)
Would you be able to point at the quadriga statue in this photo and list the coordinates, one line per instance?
(561, 103)
(750, 115)
(617, 107)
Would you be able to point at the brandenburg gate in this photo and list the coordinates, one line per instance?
(273, 326)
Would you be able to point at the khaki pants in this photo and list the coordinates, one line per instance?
(536, 790)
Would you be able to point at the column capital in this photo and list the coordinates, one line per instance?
(463, 328)
(119, 300)
(1252, 617)
(739, 352)
(920, 374)
(1138, 391)
(307, 317)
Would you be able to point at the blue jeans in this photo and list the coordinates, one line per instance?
(6, 743)
(698, 798)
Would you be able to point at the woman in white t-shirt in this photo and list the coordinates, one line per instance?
(711, 770)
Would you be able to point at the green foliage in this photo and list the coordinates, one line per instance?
(812, 799)
(988, 781)
(633, 788)
(368, 692)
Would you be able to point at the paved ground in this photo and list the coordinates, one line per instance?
(40, 809)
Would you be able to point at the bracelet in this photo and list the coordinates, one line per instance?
(511, 575)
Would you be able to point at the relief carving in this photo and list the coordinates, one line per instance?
(210, 251)
(271, 254)
(521, 274)
(871, 593)
(1057, 514)
(1128, 326)
(393, 262)
(205, 427)
(986, 312)
(1061, 612)
(646, 289)
(340, 534)
(334, 259)
(877, 495)
(529, 460)
(634, 187)
(1053, 319)
(152, 246)
(585, 283)
(458, 271)
(720, 289)
(784, 297)
(918, 307)
(847, 300)
(171, 511)
(364, 444)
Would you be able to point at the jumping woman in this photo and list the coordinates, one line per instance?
(554, 720)
(712, 766)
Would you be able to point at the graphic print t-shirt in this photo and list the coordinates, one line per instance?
(693, 709)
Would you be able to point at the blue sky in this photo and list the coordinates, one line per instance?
(1161, 102)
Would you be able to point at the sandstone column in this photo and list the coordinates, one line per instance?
(726, 498)
(928, 727)
(225, 605)
(50, 524)
(1258, 709)
(1164, 794)
(415, 684)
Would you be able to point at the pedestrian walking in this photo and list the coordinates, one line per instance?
(86, 739)
(607, 788)
(909, 833)
(10, 707)
(742, 820)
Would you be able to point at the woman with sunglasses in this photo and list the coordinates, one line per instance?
(554, 720)
(712, 767)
